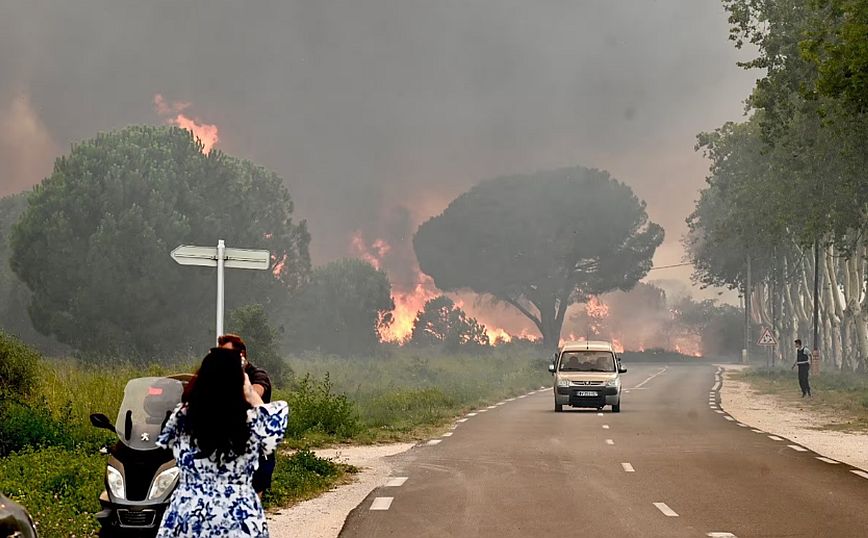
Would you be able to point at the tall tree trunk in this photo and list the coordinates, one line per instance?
(834, 308)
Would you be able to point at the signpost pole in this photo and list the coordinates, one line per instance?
(221, 258)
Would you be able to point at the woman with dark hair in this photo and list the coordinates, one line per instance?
(218, 435)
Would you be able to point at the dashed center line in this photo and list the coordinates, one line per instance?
(863, 474)
(668, 512)
(721, 535)
(605, 426)
(610, 442)
(798, 448)
(382, 503)
(395, 482)
(828, 460)
(628, 468)
(775, 438)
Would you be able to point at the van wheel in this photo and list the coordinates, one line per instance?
(616, 408)
(559, 408)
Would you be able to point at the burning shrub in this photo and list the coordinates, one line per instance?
(443, 323)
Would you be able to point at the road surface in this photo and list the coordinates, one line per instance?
(671, 464)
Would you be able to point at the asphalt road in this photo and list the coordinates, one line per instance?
(671, 464)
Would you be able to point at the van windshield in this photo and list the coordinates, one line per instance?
(587, 361)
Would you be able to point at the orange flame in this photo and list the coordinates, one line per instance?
(206, 133)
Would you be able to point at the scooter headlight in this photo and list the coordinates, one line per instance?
(115, 482)
(164, 482)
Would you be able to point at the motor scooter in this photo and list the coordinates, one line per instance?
(15, 522)
(140, 476)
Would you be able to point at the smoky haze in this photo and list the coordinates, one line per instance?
(369, 106)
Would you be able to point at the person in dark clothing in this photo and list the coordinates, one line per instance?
(803, 361)
(261, 384)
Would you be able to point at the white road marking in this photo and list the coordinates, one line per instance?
(610, 442)
(668, 512)
(523, 396)
(626, 390)
(775, 438)
(542, 388)
(605, 426)
(652, 377)
(742, 425)
(499, 403)
(757, 431)
(433, 442)
(395, 482)
(628, 468)
(718, 411)
(712, 407)
(827, 460)
(447, 434)
(510, 399)
(863, 474)
(471, 414)
(798, 448)
(382, 503)
(729, 418)
(462, 420)
(716, 386)
(483, 410)
(721, 535)
(491, 407)
(599, 414)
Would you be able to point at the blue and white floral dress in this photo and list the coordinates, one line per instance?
(218, 499)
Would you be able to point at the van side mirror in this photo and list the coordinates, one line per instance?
(552, 368)
(622, 370)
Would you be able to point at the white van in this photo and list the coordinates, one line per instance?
(587, 374)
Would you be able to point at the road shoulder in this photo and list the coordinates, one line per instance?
(792, 421)
(324, 516)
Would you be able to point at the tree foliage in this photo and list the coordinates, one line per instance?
(93, 244)
(541, 242)
(441, 322)
(342, 310)
(261, 338)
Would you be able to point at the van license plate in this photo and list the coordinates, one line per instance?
(586, 393)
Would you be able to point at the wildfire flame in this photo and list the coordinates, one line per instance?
(206, 133)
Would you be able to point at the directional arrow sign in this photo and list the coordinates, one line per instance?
(193, 255)
(242, 258)
(222, 258)
(767, 338)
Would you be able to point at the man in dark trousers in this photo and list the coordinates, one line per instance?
(261, 385)
(803, 361)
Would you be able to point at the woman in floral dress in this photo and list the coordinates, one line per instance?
(218, 437)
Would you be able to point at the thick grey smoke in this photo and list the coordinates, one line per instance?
(365, 105)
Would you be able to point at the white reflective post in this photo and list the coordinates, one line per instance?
(221, 258)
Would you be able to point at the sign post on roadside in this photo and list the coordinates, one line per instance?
(768, 340)
(221, 258)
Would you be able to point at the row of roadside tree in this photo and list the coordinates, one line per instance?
(790, 183)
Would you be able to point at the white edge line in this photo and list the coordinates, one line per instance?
(828, 460)
(863, 474)
(798, 448)
(396, 481)
(462, 420)
(433, 442)
(381, 503)
(775, 438)
(447, 434)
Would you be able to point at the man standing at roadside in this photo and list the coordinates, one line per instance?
(261, 384)
(803, 361)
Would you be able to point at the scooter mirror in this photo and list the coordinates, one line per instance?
(101, 421)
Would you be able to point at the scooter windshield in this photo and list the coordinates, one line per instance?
(148, 402)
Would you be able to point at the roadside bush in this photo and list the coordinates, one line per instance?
(314, 408)
(59, 488)
(301, 476)
(401, 410)
(19, 367)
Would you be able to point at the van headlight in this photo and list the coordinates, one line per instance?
(115, 482)
(163, 483)
(616, 382)
(563, 382)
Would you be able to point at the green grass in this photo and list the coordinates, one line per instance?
(843, 395)
(410, 392)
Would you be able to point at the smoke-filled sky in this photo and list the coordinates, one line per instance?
(365, 105)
